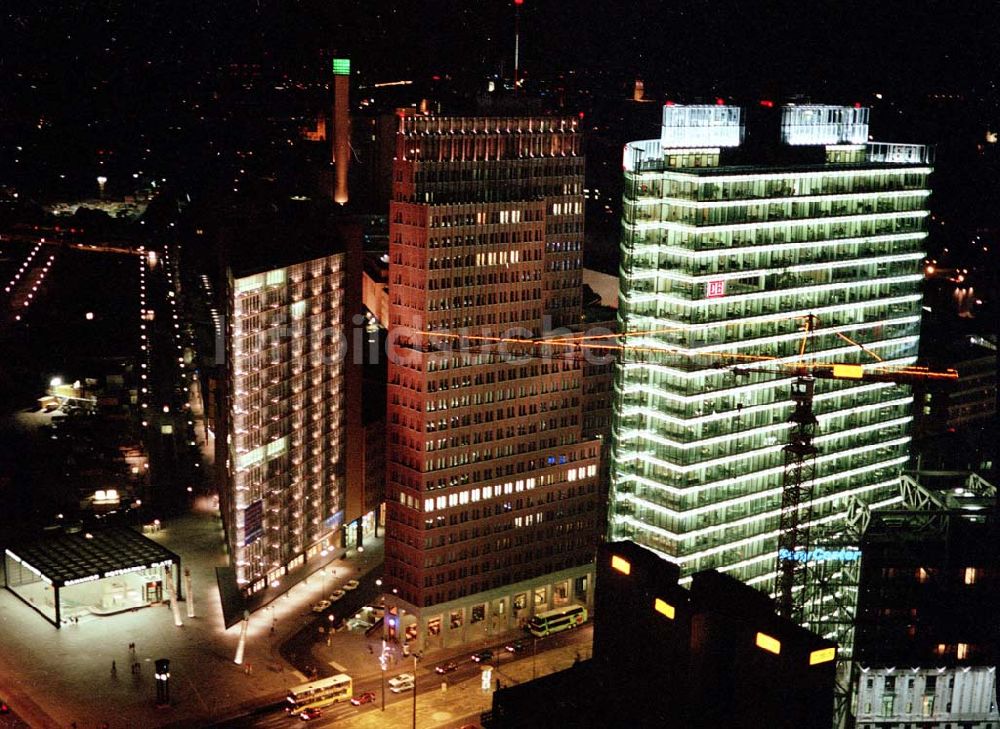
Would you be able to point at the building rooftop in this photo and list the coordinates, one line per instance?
(68, 558)
(281, 233)
(788, 138)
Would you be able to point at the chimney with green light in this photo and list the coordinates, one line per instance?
(341, 126)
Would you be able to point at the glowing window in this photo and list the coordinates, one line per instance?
(824, 655)
(621, 564)
(772, 645)
(664, 608)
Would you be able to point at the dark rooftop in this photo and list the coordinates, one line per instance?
(281, 233)
(67, 557)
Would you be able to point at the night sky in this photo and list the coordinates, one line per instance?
(136, 50)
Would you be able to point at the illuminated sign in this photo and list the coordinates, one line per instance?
(334, 520)
(486, 678)
(819, 555)
(253, 523)
(848, 372)
(622, 565)
(716, 289)
(341, 66)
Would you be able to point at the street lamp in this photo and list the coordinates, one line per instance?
(383, 660)
(414, 691)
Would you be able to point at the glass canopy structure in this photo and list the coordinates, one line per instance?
(721, 264)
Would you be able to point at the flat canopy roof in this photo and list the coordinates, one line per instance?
(69, 558)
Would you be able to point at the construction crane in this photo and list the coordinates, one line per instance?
(799, 453)
(798, 475)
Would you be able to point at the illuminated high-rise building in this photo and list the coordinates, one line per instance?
(492, 496)
(280, 443)
(732, 235)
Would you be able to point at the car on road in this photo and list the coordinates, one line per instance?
(446, 667)
(4, 708)
(516, 647)
(336, 595)
(312, 713)
(364, 698)
(351, 585)
(321, 606)
(484, 656)
(402, 682)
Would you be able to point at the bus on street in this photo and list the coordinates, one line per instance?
(554, 621)
(317, 694)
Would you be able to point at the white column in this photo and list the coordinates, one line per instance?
(172, 596)
(189, 591)
(241, 646)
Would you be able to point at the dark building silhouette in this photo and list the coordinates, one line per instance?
(665, 656)
(927, 619)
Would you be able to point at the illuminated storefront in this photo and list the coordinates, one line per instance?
(75, 576)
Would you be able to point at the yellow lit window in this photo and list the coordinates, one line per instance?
(621, 564)
(664, 608)
(772, 645)
(824, 655)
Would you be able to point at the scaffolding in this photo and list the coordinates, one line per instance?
(830, 599)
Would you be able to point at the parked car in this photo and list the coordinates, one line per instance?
(336, 595)
(307, 714)
(351, 585)
(484, 656)
(364, 698)
(446, 667)
(321, 606)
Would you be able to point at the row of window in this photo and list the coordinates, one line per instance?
(786, 185)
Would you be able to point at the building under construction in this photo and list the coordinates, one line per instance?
(743, 231)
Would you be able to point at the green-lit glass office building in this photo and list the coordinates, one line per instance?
(736, 227)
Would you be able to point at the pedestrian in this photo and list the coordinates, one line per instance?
(114, 669)
(370, 651)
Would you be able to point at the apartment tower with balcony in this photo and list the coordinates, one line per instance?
(280, 441)
(492, 495)
(737, 228)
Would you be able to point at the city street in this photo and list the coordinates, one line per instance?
(442, 701)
